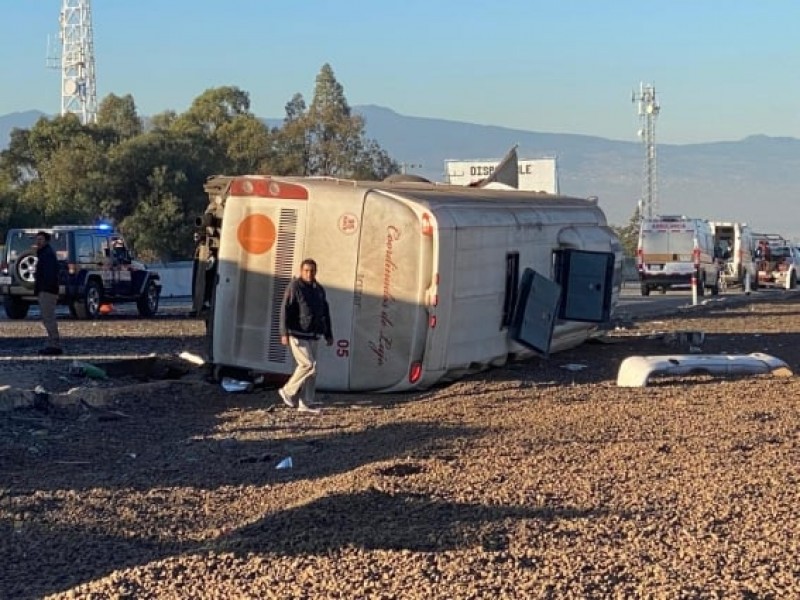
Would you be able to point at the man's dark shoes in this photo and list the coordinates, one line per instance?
(51, 351)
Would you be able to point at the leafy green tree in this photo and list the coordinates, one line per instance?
(158, 227)
(293, 140)
(163, 121)
(56, 170)
(214, 108)
(629, 234)
(220, 120)
(74, 182)
(327, 139)
(157, 170)
(48, 136)
(335, 134)
(118, 114)
(247, 145)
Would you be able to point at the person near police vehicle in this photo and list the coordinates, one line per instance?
(304, 318)
(45, 286)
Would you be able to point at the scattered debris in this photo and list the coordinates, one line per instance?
(635, 371)
(79, 368)
(229, 384)
(286, 463)
(192, 358)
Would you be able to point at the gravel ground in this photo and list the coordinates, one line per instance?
(530, 481)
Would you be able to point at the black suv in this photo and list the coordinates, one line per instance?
(95, 268)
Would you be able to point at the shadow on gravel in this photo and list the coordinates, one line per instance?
(43, 563)
(374, 520)
(164, 446)
(100, 344)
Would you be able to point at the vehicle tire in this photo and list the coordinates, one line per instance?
(72, 312)
(701, 286)
(715, 288)
(645, 290)
(792, 280)
(88, 307)
(148, 301)
(26, 268)
(16, 308)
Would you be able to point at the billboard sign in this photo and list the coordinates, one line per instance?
(535, 174)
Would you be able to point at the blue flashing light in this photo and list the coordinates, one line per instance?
(104, 227)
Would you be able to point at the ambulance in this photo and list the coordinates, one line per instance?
(426, 282)
(672, 250)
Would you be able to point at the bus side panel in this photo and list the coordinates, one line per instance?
(389, 318)
(251, 282)
(476, 331)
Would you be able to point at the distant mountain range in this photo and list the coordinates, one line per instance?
(756, 179)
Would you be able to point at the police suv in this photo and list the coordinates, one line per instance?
(95, 268)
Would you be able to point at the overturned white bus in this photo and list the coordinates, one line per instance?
(425, 282)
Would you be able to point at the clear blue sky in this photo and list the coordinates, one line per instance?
(722, 69)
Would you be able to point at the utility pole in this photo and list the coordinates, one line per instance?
(76, 61)
(648, 112)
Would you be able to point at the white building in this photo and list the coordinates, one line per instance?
(535, 174)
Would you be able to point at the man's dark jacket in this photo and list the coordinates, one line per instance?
(46, 277)
(304, 312)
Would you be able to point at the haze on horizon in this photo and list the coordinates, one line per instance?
(721, 70)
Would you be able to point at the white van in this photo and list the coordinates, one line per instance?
(735, 248)
(674, 248)
(425, 282)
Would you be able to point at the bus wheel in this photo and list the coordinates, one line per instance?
(645, 290)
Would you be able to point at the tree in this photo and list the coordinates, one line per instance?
(247, 145)
(158, 227)
(56, 170)
(118, 114)
(293, 140)
(75, 182)
(335, 137)
(214, 108)
(629, 234)
(335, 134)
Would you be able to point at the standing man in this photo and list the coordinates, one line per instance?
(45, 287)
(305, 317)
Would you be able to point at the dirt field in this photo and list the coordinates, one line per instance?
(531, 481)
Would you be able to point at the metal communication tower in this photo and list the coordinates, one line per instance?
(648, 112)
(76, 61)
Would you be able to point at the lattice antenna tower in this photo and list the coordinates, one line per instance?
(648, 113)
(76, 61)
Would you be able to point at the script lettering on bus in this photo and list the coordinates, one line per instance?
(359, 291)
(383, 344)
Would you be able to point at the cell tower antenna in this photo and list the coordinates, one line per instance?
(76, 61)
(648, 113)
